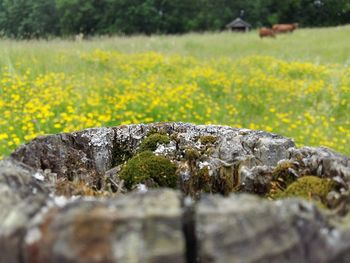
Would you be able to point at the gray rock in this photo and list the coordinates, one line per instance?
(37, 225)
(321, 161)
(134, 228)
(88, 154)
(243, 228)
(22, 195)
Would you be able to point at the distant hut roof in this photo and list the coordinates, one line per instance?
(238, 23)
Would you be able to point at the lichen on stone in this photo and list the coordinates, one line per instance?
(98, 137)
(149, 169)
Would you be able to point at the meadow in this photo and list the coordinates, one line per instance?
(297, 85)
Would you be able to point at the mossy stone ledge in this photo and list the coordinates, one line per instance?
(57, 206)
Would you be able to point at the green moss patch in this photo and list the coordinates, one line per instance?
(192, 154)
(309, 187)
(202, 180)
(208, 139)
(150, 143)
(145, 167)
(282, 175)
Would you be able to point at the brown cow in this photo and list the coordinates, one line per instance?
(284, 28)
(266, 32)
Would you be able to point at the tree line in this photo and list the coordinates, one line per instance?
(44, 18)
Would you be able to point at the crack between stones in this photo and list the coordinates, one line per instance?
(189, 231)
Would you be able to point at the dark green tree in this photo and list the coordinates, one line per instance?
(80, 16)
(147, 17)
(41, 18)
(28, 19)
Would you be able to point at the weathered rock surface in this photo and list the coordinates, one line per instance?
(39, 225)
(82, 155)
(244, 228)
(134, 228)
(22, 195)
(88, 154)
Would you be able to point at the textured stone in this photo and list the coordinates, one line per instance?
(39, 225)
(135, 228)
(88, 154)
(82, 155)
(243, 228)
(22, 195)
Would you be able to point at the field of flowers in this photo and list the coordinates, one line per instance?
(306, 101)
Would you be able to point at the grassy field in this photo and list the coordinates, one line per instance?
(297, 85)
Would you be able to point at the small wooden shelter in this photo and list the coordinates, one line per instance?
(239, 25)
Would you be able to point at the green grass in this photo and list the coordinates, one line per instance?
(321, 45)
(224, 78)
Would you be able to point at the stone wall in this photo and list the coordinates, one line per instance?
(62, 199)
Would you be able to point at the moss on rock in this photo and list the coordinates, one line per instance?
(309, 187)
(145, 167)
(202, 180)
(150, 143)
(192, 154)
(208, 139)
(76, 188)
(282, 176)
